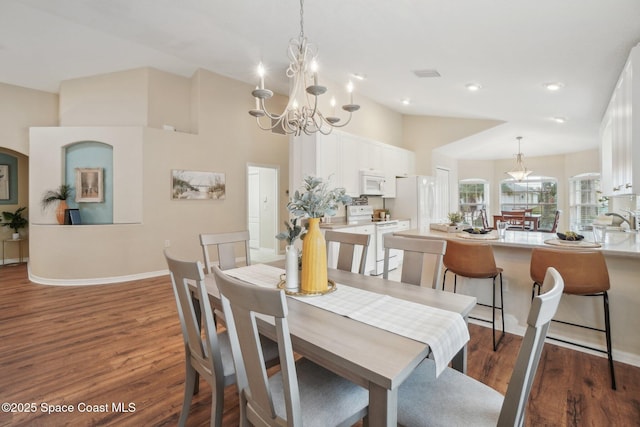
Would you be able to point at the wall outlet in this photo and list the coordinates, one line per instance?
(167, 243)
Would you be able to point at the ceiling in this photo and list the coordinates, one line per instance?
(510, 47)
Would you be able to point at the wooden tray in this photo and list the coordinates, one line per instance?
(300, 293)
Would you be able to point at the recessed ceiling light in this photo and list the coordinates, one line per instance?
(359, 76)
(473, 86)
(406, 101)
(553, 86)
(559, 119)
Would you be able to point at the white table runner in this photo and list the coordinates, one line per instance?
(444, 331)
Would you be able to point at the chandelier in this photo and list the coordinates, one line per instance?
(301, 113)
(520, 171)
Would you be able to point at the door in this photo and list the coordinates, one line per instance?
(443, 196)
(262, 208)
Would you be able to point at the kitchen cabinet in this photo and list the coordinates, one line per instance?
(620, 133)
(342, 156)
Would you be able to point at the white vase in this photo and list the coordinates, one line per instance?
(291, 268)
(15, 236)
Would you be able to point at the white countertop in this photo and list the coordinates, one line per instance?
(617, 243)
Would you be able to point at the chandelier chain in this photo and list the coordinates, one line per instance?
(301, 19)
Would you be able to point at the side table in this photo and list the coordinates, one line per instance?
(4, 250)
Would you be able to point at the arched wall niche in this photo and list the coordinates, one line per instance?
(96, 155)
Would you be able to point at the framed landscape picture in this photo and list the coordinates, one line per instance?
(195, 185)
(89, 185)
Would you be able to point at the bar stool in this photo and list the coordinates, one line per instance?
(585, 273)
(475, 261)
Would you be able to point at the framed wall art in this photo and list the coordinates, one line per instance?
(89, 185)
(195, 185)
(4, 182)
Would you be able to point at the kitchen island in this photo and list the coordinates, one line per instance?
(513, 254)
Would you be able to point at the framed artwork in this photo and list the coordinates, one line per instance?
(195, 185)
(4, 182)
(89, 185)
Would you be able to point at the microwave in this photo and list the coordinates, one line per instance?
(371, 183)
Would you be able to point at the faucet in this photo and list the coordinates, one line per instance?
(632, 226)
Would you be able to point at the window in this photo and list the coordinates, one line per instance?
(585, 201)
(536, 193)
(474, 196)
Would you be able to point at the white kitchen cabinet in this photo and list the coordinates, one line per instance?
(342, 156)
(620, 133)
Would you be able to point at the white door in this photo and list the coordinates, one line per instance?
(262, 207)
(253, 211)
(443, 197)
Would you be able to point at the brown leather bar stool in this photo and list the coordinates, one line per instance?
(585, 273)
(475, 261)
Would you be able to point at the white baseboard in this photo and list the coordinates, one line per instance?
(95, 281)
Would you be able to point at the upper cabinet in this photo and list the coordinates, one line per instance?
(620, 133)
(342, 156)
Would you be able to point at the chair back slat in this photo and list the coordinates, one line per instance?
(346, 250)
(543, 308)
(415, 250)
(225, 245)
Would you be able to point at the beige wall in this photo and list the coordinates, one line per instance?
(423, 134)
(228, 140)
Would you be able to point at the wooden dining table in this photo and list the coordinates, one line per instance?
(374, 358)
(534, 219)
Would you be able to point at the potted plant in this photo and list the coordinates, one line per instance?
(292, 255)
(455, 218)
(315, 201)
(60, 194)
(15, 221)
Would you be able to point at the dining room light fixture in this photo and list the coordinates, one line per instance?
(301, 115)
(520, 171)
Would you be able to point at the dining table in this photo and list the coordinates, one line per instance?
(374, 358)
(533, 219)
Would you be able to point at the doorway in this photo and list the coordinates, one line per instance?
(262, 211)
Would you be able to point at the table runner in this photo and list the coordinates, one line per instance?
(445, 332)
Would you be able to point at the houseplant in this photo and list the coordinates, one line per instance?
(60, 194)
(292, 264)
(315, 201)
(15, 221)
(455, 218)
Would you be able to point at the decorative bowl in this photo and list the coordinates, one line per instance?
(569, 237)
(476, 230)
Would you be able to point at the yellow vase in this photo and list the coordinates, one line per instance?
(314, 259)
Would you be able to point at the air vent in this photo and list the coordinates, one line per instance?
(426, 73)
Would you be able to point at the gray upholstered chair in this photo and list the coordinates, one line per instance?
(302, 393)
(454, 399)
(207, 353)
(225, 244)
(346, 251)
(414, 256)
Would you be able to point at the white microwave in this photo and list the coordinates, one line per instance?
(371, 183)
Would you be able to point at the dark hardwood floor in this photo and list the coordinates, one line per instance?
(97, 347)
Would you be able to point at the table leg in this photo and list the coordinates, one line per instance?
(383, 406)
(459, 361)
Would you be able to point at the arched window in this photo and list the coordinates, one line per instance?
(474, 196)
(538, 193)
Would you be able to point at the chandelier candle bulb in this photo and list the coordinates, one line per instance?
(261, 74)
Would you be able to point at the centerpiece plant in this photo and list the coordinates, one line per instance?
(292, 254)
(314, 201)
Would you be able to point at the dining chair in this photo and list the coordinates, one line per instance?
(585, 273)
(455, 399)
(301, 393)
(414, 257)
(207, 354)
(346, 250)
(475, 261)
(226, 244)
(515, 219)
(554, 225)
